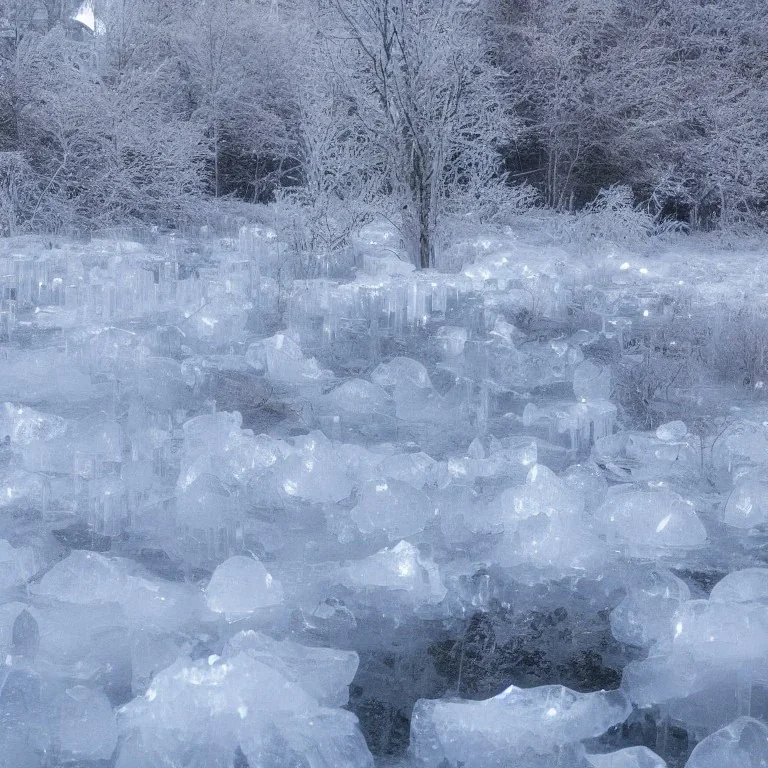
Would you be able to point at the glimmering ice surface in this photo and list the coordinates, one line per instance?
(377, 517)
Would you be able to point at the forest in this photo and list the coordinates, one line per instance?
(164, 111)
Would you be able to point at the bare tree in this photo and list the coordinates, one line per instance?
(422, 89)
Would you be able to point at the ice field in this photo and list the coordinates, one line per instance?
(373, 516)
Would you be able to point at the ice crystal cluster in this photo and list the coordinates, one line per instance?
(391, 517)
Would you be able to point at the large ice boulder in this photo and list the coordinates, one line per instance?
(528, 728)
(399, 569)
(742, 744)
(202, 713)
(324, 673)
(394, 507)
(631, 757)
(647, 524)
(240, 586)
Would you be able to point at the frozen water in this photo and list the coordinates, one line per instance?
(240, 586)
(631, 757)
(747, 586)
(703, 672)
(312, 471)
(742, 744)
(16, 565)
(280, 357)
(23, 723)
(640, 456)
(648, 524)
(747, 504)
(26, 425)
(576, 424)
(86, 726)
(646, 614)
(672, 431)
(425, 485)
(92, 579)
(394, 507)
(451, 340)
(399, 568)
(359, 397)
(199, 713)
(587, 481)
(539, 726)
(591, 381)
(559, 544)
(543, 494)
(324, 673)
(401, 370)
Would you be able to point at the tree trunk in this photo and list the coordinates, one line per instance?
(418, 214)
(426, 246)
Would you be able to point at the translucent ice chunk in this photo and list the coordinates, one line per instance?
(650, 522)
(280, 356)
(580, 424)
(324, 673)
(747, 586)
(538, 726)
(742, 443)
(219, 321)
(25, 425)
(742, 744)
(587, 480)
(16, 565)
(451, 340)
(313, 472)
(591, 381)
(747, 504)
(240, 586)
(543, 493)
(198, 714)
(631, 757)
(89, 578)
(722, 633)
(86, 727)
(20, 490)
(401, 370)
(215, 444)
(23, 729)
(636, 456)
(392, 506)
(359, 397)
(672, 431)
(84, 577)
(416, 469)
(211, 431)
(49, 377)
(646, 613)
(401, 567)
(703, 674)
(558, 544)
(25, 636)
(413, 403)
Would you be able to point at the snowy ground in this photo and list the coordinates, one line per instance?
(422, 519)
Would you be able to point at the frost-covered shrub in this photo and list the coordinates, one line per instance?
(316, 232)
(16, 190)
(737, 345)
(614, 217)
(490, 203)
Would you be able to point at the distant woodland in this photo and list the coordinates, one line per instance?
(150, 110)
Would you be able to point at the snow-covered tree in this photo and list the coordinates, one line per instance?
(419, 83)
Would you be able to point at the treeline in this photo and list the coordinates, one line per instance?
(418, 108)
